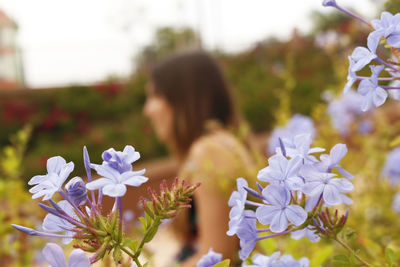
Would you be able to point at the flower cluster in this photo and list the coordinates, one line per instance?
(79, 216)
(375, 88)
(298, 124)
(391, 168)
(346, 110)
(259, 260)
(299, 186)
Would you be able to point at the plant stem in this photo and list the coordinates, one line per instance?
(346, 246)
(154, 223)
(132, 256)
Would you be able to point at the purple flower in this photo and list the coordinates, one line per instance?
(279, 213)
(76, 191)
(247, 233)
(273, 261)
(328, 162)
(120, 160)
(391, 168)
(396, 203)
(351, 77)
(210, 259)
(54, 255)
(361, 57)
(237, 202)
(329, 3)
(55, 224)
(298, 124)
(113, 183)
(345, 110)
(260, 260)
(389, 27)
(289, 261)
(308, 232)
(282, 171)
(46, 185)
(323, 184)
(372, 92)
(300, 146)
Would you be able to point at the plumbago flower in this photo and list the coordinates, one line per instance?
(116, 172)
(299, 187)
(210, 259)
(79, 217)
(375, 88)
(54, 255)
(274, 261)
(298, 124)
(391, 168)
(346, 110)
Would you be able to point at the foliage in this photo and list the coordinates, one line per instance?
(16, 204)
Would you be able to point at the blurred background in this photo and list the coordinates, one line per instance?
(75, 71)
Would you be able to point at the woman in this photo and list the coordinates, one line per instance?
(191, 109)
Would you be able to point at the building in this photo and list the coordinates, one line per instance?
(11, 68)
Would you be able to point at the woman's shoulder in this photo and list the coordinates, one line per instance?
(218, 155)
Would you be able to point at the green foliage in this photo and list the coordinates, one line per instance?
(16, 204)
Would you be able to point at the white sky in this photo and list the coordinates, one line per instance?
(85, 41)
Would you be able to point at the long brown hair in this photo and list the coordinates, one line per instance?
(194, 85)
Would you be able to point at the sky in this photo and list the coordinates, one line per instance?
(67, 42)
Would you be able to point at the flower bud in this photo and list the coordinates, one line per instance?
(76, 191)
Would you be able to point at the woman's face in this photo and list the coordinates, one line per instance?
(160, 112)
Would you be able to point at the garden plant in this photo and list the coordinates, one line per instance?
(306, 195)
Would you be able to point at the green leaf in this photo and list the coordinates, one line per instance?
(132, 244)
(152, 232)
(143, 220)
(390, 257)
(224, 263)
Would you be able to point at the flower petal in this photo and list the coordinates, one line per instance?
(77, 258)
(54, 255)
(296, 214)
(279, 223)
(99, 183)
(114, 190)
(55, 164)
(265, 214)
(331, 195)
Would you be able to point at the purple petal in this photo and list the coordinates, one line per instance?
(37, 179)
(343, 185)
(276, 195)
(54, 255)
(373, 40)
(265, 214)
(312, 202)
(344, 172)
(55, 164)
(78, 258)
(99, 183)
(379, 97)
(296, 214)
(136, 180)
(279, 222)
(107, 172)
(114, 190)
(331, 195)
(337, 153)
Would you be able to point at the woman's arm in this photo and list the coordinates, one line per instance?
(213, 163)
